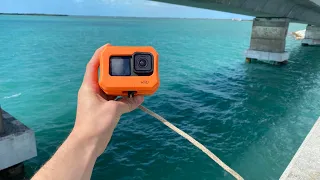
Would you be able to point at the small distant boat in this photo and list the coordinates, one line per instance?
(236, 19)
(299, 34)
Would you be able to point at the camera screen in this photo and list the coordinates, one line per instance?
(120, 66)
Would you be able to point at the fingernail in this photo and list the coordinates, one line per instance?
(139, 99)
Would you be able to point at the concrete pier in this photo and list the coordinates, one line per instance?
(312, 36)
(1, 123)
(17, 144)
(268, 40)
(306, 162)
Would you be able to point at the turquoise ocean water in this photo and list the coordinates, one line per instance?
(253, 116)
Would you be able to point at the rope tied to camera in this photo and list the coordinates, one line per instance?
(193, 141)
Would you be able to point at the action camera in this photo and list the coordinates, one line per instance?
(126, 71)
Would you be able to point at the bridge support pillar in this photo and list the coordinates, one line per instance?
(268, 40)
(312, 36)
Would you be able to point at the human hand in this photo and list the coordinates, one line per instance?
(97, 113)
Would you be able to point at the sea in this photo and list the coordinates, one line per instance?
(254, 116)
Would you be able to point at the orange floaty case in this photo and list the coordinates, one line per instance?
(125, 85)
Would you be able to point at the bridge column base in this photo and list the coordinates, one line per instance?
(312, 36)
(268, 40)
(267, 56)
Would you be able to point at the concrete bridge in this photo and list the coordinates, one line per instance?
(269, 30)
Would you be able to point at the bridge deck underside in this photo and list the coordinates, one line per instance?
(304, 11)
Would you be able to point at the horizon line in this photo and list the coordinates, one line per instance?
(164, 17)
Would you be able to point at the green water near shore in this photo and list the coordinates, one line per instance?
(253, 116)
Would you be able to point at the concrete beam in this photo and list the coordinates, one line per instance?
(312, 36)
(306, 162)
(268, 39)
(17, 143)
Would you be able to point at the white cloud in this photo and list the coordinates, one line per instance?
(78, 1)
(117, 1)
(125, 2)
(128, 2)
(152, 3)
(107, 1)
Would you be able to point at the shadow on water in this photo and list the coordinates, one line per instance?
(256, 107)
(278, 102)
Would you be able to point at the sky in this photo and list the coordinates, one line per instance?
(131, 8)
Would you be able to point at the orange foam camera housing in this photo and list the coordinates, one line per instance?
(121, 85)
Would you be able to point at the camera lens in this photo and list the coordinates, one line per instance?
(143, 63)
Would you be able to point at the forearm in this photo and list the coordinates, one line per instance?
(97, 116)
(74, 160)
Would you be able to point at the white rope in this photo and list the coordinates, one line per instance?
(193, 141)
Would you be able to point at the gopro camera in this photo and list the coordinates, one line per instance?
(129, 70)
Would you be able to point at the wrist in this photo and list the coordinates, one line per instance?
(88, 144)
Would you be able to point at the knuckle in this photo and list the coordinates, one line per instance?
(96, 51)
(80, 90)
(89, 64)
(83, 89)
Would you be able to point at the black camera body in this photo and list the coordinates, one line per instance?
(139, 64)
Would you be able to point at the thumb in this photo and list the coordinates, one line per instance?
(126, 105)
